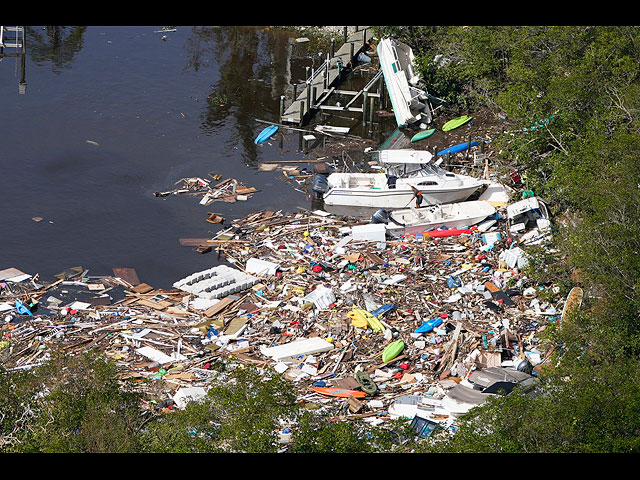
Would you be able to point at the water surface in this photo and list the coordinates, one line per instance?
(111, 115)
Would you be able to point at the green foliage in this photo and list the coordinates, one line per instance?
(241, 414)
(70, 404)
(580, 85)
(314, 434)
(249, 409)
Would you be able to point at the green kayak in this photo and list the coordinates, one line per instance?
(392, 350)
(365, 382)
(422, 135)
(455, 123)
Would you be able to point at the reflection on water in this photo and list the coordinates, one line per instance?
(55, 46)
(113, 114)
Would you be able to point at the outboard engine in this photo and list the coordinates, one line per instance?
(380, 216)
(320, 185)
(383, 216)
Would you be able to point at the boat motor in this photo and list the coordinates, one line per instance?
(320, 185)
(383, 216)
(380, 216)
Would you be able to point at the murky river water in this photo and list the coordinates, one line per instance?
(111, 115)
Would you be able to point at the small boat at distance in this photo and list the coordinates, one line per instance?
(416, 220)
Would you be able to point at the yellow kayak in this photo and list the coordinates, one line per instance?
(362, 319)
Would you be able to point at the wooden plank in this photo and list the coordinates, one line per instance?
(129, 275)
(218, 307)
(193, 242)
(142, 288)
(10, 273)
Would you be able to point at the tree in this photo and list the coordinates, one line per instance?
(241, 413)
(70, 404)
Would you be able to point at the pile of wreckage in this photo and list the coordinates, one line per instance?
(419, 326)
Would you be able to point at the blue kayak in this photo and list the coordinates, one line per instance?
(429, 325)
(457, 148)
(22, 310)
(266, 134)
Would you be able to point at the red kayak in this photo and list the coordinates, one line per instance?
(452, 232)
(339, 392)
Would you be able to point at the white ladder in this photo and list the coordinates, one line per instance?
(13, 42)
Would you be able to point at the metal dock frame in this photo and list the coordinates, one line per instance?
(322, 82)
(17, 41)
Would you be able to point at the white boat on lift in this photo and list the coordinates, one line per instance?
(410, 221)
(408, 177)
(410, 103)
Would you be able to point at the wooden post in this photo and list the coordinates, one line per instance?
(466, 155)
(382, 92)
(281, 107)
(325, 80)
(345, 34)
(332, 48)
(301, 112)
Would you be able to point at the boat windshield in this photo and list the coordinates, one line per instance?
(413, 170)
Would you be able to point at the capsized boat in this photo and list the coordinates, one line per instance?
(409, 179)
(410, 103)
(409, 221)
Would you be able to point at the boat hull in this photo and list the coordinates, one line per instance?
(452, 216)
(396, 62)
(395, 198)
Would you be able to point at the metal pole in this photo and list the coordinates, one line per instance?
(364, 107)
(372, 99)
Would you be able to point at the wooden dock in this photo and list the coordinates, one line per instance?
(323, 82)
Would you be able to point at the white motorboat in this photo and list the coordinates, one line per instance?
(409, 221)
(409, 180)
(410, 104)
